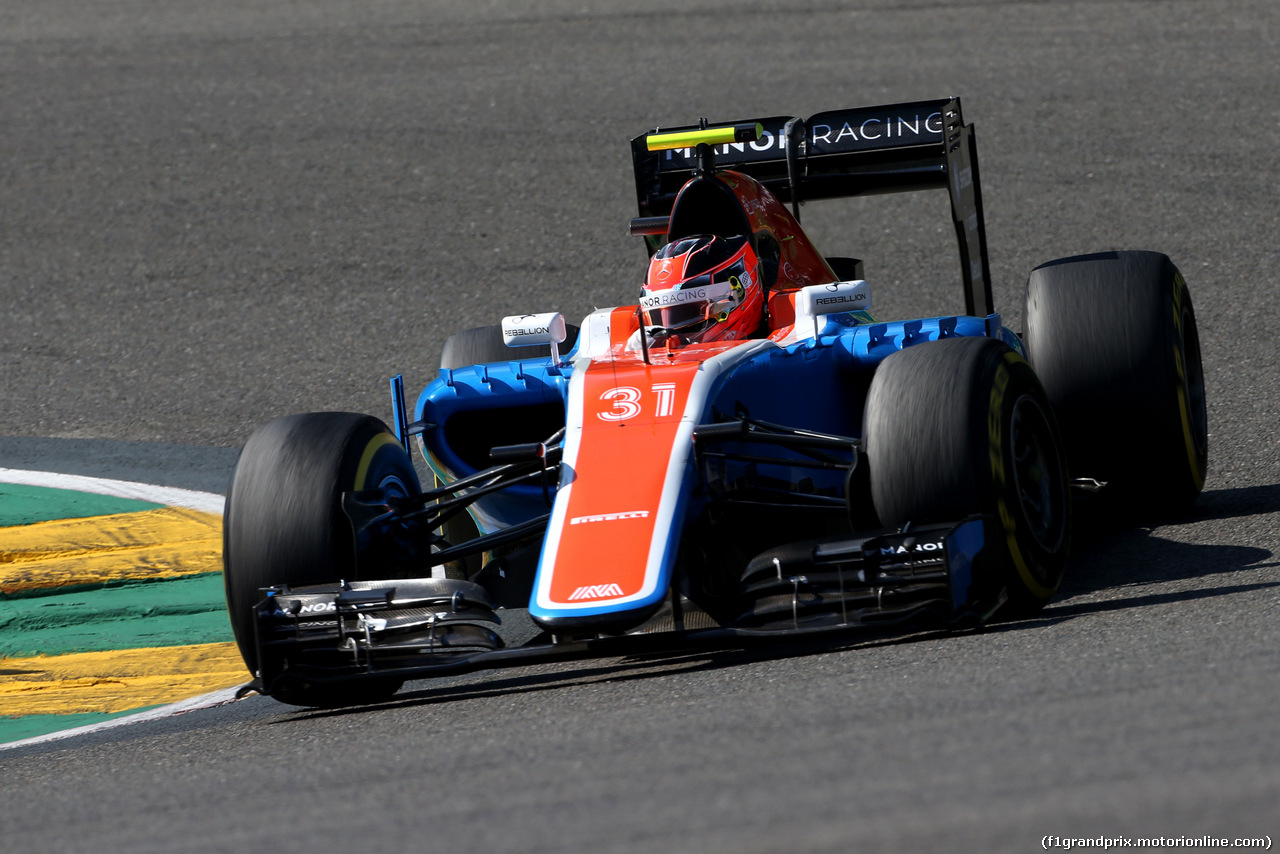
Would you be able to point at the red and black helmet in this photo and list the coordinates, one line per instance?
(704, 288)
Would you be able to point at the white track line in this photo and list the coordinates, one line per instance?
(204, 701)
(206, 501)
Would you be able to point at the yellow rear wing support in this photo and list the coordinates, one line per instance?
(749, 132)
(893, 148)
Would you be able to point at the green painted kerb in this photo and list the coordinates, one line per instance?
(30, 726)
(26, 505)
(174, 612)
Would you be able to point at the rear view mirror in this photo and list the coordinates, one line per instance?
(817, 301)
(532, 329)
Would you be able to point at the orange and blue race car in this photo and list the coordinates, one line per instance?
(746, 452)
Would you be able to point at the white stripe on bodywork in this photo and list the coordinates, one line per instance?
(673, 481)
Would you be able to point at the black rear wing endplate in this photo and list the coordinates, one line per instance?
(918, 145)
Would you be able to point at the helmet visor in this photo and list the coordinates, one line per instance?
(694, 302)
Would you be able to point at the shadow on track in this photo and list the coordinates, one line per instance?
(1110, 554)
(632, 668)
(1236, 503)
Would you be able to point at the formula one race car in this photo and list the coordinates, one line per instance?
(744, 453)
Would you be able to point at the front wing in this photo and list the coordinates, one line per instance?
(416, 628)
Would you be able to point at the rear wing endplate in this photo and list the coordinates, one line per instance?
(842, 153)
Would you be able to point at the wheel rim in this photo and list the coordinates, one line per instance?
(1038, 475)
(394, 486)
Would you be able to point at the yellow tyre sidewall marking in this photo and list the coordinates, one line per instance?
(366, 459)
(1193, 463)
(995, 438)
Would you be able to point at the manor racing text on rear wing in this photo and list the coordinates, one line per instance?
(841, 153)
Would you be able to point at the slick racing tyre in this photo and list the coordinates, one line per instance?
(1113, 338)
(284, 523)
(961, 427)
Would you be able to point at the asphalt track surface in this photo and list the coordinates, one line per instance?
(212, 214)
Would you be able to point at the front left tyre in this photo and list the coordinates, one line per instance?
(961, 427)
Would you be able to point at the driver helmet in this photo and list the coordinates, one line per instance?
(704, 288)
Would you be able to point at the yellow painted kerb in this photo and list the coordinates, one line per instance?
(170, 542)
(108, 682)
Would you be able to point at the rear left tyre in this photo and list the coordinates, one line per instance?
(1113, 338)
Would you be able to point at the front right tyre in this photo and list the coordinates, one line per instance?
(283, 522)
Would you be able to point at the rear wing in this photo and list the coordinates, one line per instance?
(840, 153)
